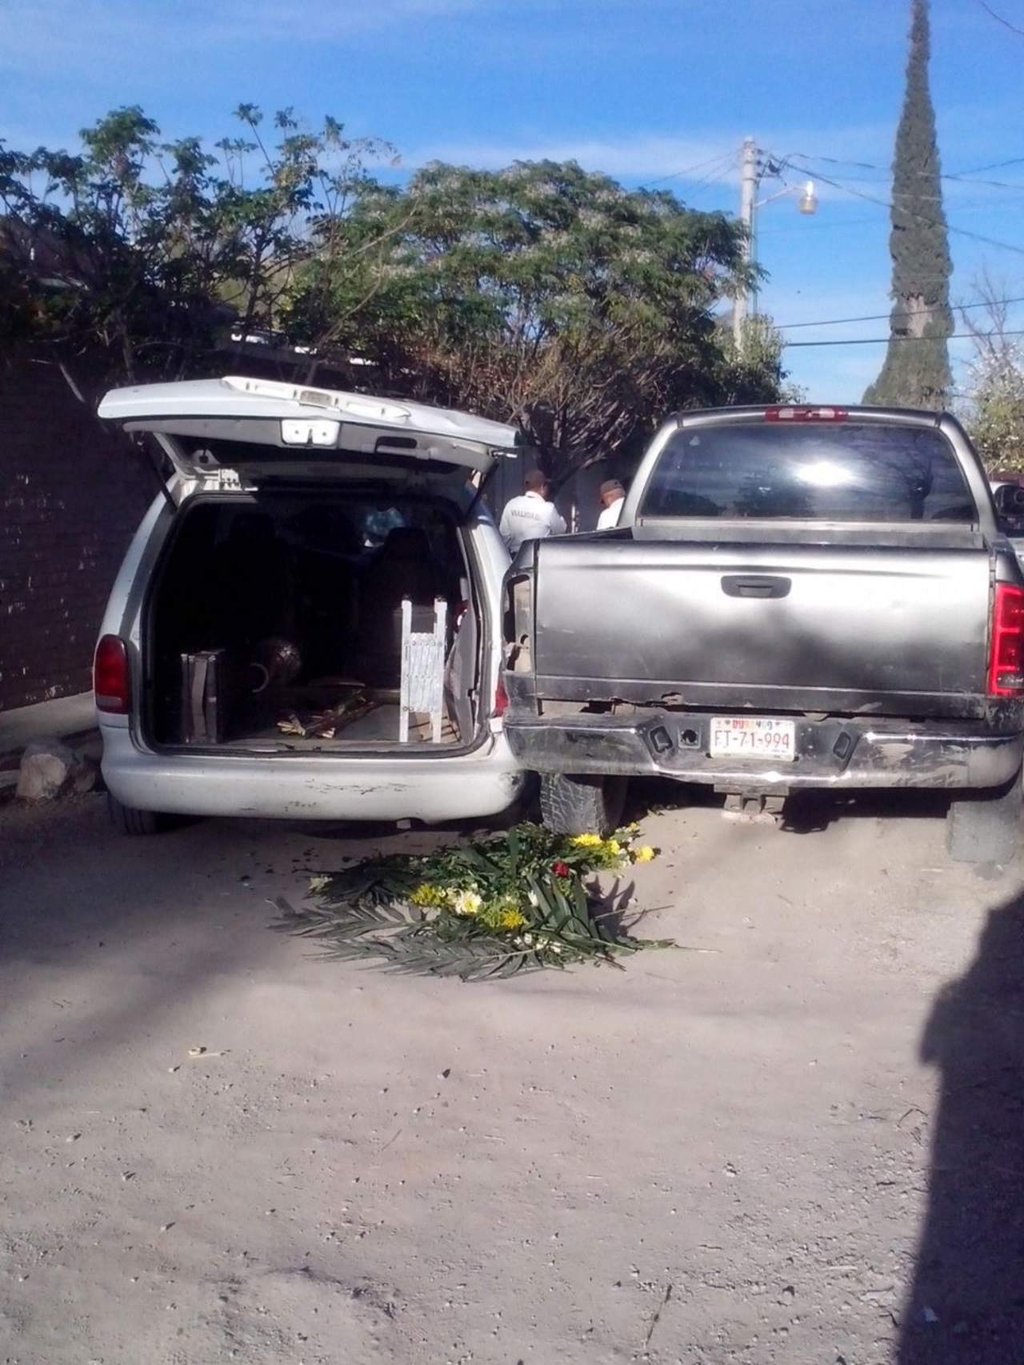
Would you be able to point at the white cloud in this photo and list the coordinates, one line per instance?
(713, 156)
(637, 156)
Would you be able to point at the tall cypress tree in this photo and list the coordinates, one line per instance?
(916, 372)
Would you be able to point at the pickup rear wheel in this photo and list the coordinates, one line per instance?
(581, 805)
(986, 829)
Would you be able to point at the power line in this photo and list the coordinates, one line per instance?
(880, 341)
(994, 166)
(880, 317)
(725, 160)
(993, 184)
(715, 176)
(887, 204)
(717, 163)
(961, 177)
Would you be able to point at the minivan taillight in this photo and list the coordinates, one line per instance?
(111, 683)
(1006, 644)
(500, 700)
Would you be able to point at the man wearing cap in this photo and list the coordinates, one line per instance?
(530, 516)
(612, 497)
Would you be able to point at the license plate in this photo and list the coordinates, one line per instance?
(753, 737)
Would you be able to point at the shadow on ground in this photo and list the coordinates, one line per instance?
(129, 931)
(805, 812)
(966, 1303)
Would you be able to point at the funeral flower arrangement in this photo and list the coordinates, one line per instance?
(493, 906)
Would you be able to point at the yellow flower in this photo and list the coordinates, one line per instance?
(646, 854)
(613, 846)
(587, 841)
(467, 903)
(511, 919)
(427, 896)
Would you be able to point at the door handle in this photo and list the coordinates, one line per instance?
(755, 585)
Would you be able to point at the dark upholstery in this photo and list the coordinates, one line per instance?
(252, 581)
(403, 567)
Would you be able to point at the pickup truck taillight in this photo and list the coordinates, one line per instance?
(1006, 644)
(111, 680)
(519, 623)
(802, 414)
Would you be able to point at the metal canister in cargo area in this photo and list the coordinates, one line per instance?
(202, 697)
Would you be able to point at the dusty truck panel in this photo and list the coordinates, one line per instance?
(793, 598)
(760, 625)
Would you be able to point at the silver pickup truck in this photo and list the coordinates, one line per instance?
(795, 598)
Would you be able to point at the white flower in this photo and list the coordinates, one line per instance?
(527, 940)
(532, 898)
(467, 903)
(318, 884)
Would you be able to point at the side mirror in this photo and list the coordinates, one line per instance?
(1009, 500)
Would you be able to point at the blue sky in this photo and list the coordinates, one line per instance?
(655, 92)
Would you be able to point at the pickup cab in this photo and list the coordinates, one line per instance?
(795, 598)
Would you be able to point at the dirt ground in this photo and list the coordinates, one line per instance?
(796, 1138)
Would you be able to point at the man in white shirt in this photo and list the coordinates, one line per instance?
(530, 516)
(613, 495)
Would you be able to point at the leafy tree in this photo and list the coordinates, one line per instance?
(753, 371)
(994, 406)
(542, 294)
(995, 416)
(916, 370)
(148, 250)
(296, 212)
(19, 313)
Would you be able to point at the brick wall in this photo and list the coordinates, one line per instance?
(71, 496)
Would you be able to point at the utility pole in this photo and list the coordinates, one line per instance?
(749, 176)
(753, 168)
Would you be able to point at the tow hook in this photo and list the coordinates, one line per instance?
(762, 806)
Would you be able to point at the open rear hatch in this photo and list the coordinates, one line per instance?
(267, 430)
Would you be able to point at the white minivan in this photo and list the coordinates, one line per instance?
(306, 625)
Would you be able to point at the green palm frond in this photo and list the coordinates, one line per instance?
(402, 940)
(491, 908)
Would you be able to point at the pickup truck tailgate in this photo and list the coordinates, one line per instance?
(897, 630)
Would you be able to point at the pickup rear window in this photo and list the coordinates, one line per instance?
(849, 471)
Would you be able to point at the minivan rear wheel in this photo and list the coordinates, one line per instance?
(986, 829)
(581, 805)
(129, 820)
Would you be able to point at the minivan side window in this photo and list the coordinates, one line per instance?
(847, 472)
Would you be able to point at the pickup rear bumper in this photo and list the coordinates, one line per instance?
(833, 752)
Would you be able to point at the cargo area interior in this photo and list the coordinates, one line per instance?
(276, 622)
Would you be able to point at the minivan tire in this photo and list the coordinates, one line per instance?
(129, 820)
(581, 805)
(986, 829)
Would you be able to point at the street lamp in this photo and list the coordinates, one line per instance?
(753, 170)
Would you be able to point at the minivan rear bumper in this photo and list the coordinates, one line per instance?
(833, 752)
(321, 786)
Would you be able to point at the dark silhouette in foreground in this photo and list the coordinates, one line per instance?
(966, 1302)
